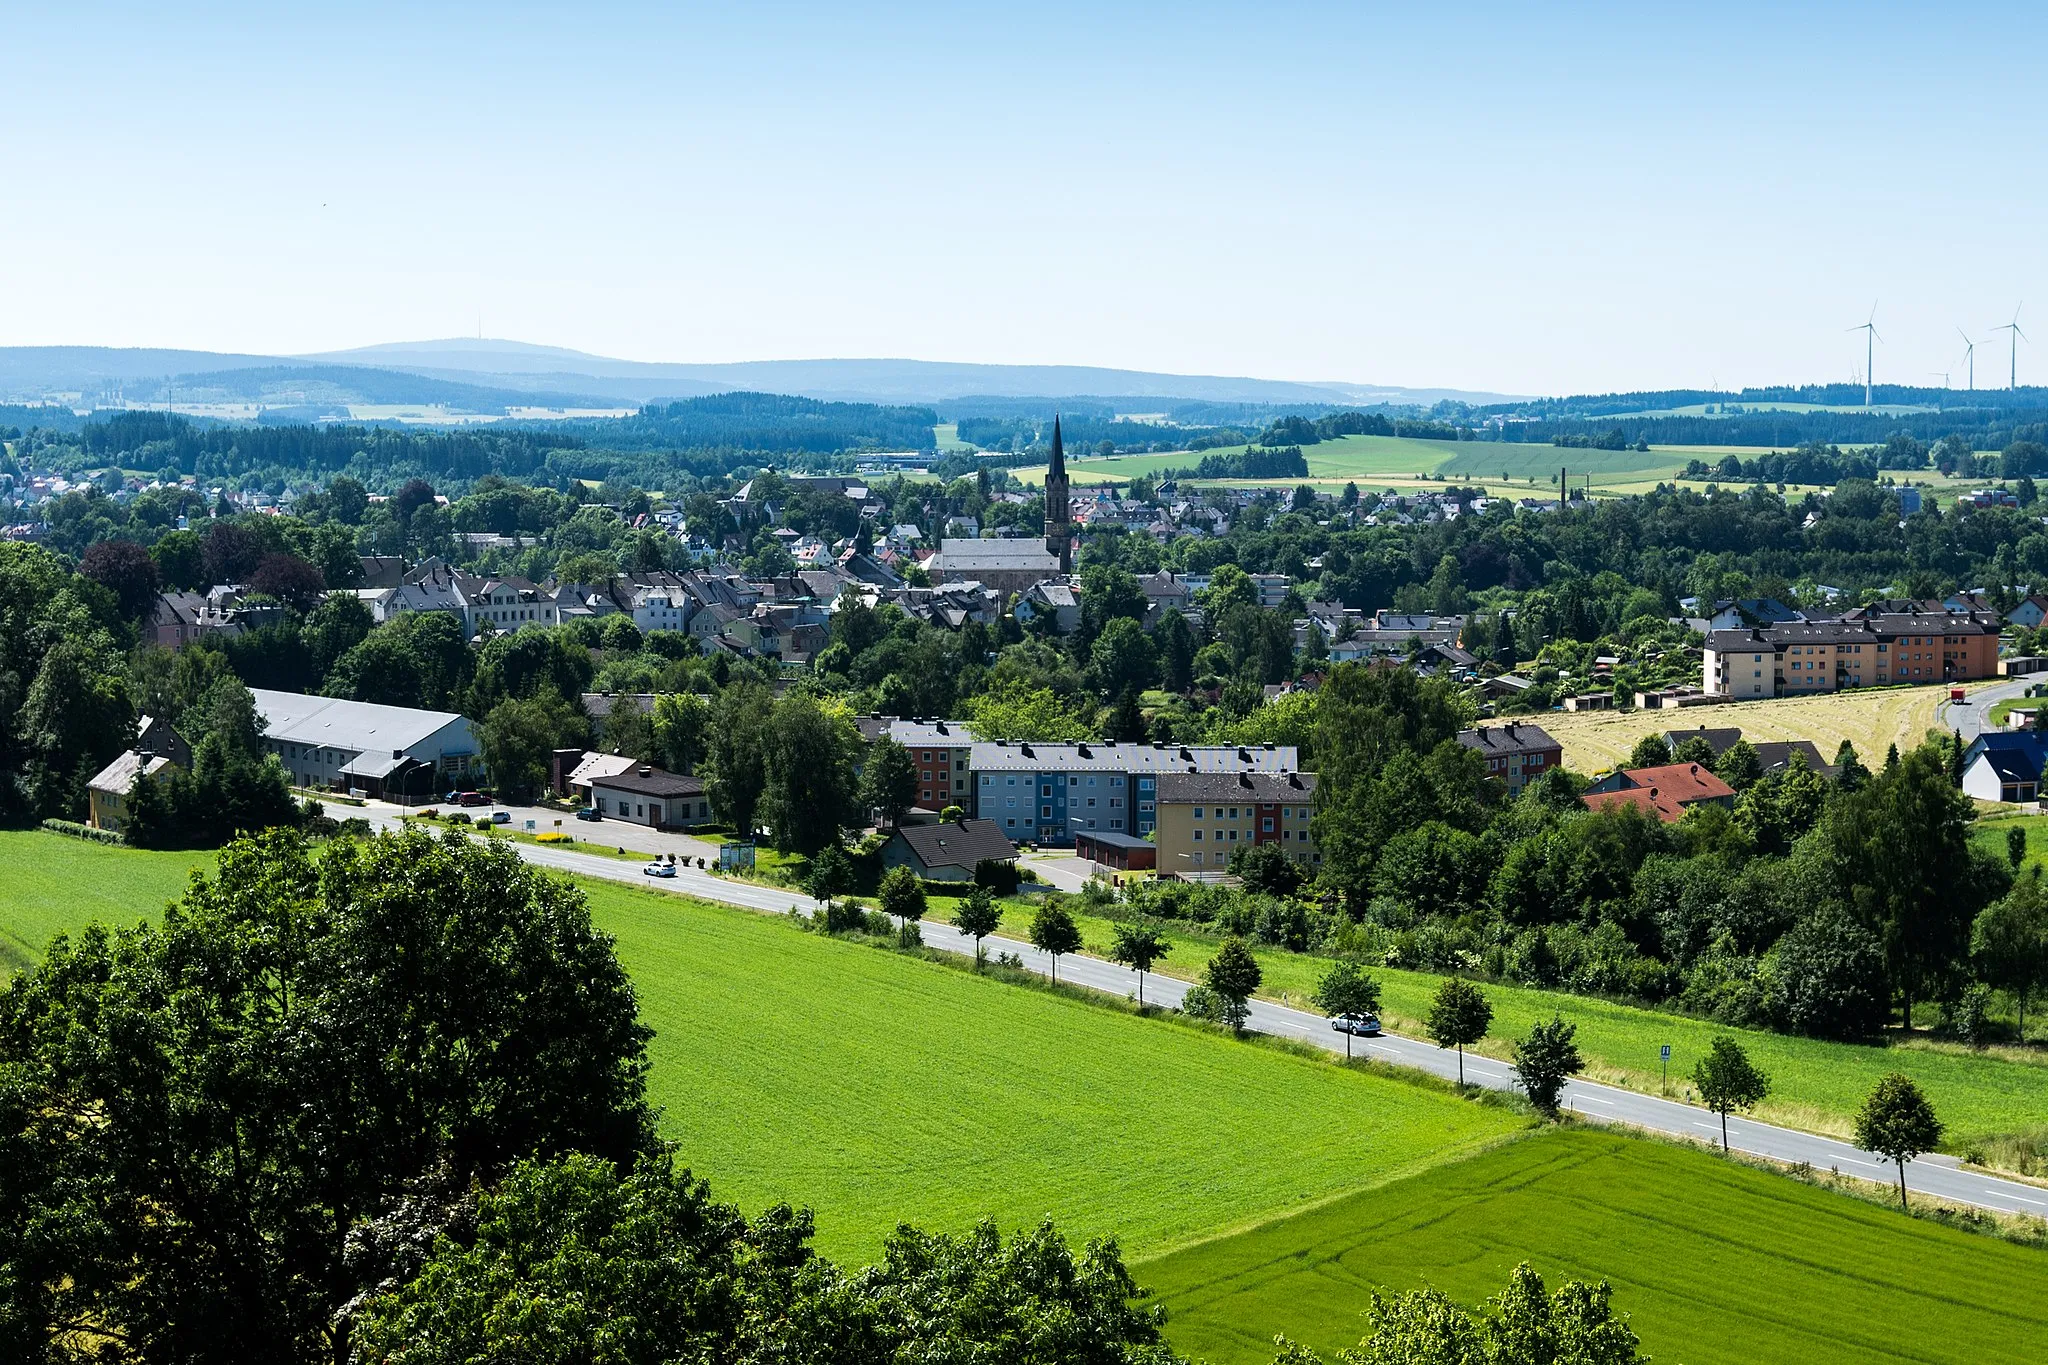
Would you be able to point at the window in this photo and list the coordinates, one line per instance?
(1198, 812)
(1091, 801)
(1198, 836)
(1012, 804)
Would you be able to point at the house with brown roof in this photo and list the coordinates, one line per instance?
(648, 796)
(1666, 792)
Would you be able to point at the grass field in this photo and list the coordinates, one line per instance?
(1816, 1085)
(1713, 1261)
(1872, 718)
(50, 884)
(877, 1087)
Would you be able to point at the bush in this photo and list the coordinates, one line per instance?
(77, 831)
(456, 817)
(1202, 1003)
(999, 875)
(554, 836)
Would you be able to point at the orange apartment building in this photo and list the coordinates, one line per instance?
(1862, 649)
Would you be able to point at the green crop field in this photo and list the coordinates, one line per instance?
(51, 884)
(1816, 1085)
(876, 1087)
(1712, 1260)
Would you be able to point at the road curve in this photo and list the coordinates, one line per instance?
(1941, 1176)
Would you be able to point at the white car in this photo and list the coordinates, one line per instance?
(658, 868)
(1363, 1025)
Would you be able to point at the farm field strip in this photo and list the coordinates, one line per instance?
(1817, 1085)
(1713, 1261)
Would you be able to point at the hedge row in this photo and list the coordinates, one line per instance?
(78, 831)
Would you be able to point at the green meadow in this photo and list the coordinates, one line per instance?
(879, 1088)
(50, 884)
(1712, 1260)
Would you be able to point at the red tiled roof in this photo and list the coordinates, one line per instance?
(1664, 792)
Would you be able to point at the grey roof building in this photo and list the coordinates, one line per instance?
(387, 750)
(947, 851)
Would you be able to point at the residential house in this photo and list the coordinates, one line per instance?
(1666, 792)
(1009, 566)
(645, 795)
(1050, 793)
(1772, 755)
(158, 751)
(1862, 648)
(179, 618)
(949, 850)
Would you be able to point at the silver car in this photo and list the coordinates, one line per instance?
(1363, 1025)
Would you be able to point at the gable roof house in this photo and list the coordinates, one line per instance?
(1666, 792)
(947, 851)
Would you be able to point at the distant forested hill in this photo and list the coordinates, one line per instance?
(762, 422)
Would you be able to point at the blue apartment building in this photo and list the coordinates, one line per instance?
(1048, 793)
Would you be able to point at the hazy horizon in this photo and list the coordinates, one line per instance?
(1496, 200)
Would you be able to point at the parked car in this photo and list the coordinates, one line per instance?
(1364, 1025)
(501, 817)
(658, 868)
(588, 813)
(472, 799)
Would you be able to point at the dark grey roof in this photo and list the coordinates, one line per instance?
(651, 782)
(1515, 737)
(1182, 788)
(1111, 840)
(956, 844)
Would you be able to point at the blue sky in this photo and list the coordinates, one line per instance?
(1478, 196)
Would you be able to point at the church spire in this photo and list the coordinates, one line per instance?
(1059, 516)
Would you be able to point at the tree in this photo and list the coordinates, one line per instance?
(1126, 722)
(902, 896)
(1738, 765)
(1694, 749)
(289, 579)
(1266, 869)
(1138, 946)
(1727, 1079)
(309, 1043)
(1651, 751)
(126, 570)
(736, 755)
(571, 1261)
(810, 788)
(680, 723)
(518, 740)
(1458, 1017)
(1898, 1124)
(1545, 1060)
(2016, 846)
(830, 875)
(1528, 1326)
(1850, 774)
(978, 917)
(1176, 642)
(1233, 974)
(888, 781)
(2009, 945)
(1054, 932)
(1347, 989)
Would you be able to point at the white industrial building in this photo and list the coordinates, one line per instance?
(362, 747)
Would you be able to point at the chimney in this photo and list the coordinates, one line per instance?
(646, 770)
(1244, 779)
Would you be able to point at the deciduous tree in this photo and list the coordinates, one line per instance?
(1054, 932)
(1727, 1080)
(1458, 1017)
(1545, 1060)
(1233, 974)
(1138, 946)
(1898, 1124)
(978, 917)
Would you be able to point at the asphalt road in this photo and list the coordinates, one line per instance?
(1941, 1176)
(1968, 716)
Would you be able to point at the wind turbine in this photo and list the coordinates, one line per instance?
(1969, 356)
(1870, 338)
(2013, 378)
(1944, 377)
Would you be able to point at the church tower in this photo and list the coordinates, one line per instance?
(1059, 514)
